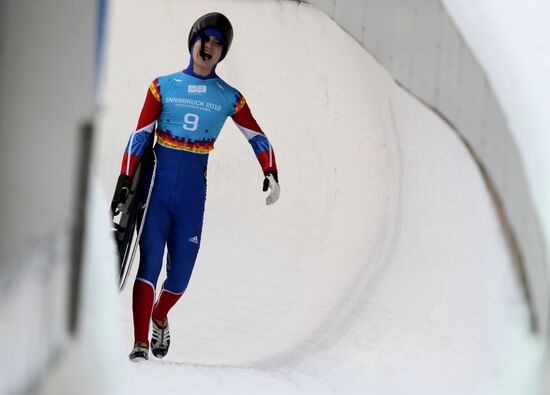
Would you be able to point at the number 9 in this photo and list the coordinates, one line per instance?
(191, 122)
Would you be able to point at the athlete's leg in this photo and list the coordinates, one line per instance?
(142, 305)
(151, 247)
(166, 300)
(183, 246)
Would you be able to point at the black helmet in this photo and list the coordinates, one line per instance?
(213, 20)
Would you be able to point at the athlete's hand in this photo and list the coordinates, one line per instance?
(271, 181)
(122, 191)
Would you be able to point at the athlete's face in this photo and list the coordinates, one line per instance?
(204, 64)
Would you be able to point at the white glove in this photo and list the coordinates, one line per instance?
(271, 181)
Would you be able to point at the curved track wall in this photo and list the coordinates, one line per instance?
(421, 47)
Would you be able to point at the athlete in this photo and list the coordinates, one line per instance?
(186, 111)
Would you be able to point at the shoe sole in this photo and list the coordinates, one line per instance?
(138, 359)
(159, 356)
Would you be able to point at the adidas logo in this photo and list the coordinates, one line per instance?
(194, 239)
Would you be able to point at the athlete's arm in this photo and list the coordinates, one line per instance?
(260, 144)
(256, 137)
(144, 130)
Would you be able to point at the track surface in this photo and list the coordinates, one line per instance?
(382, 269)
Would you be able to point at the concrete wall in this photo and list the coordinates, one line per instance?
(47, 51)
(47, 94)
(419, 44)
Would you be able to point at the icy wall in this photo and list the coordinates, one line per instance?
(421, 47)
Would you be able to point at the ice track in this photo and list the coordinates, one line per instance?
(382, 269)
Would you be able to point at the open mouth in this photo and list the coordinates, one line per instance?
(205, 55)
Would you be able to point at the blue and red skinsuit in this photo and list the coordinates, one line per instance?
(189, 112)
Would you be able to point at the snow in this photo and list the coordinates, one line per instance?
(382, 268)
